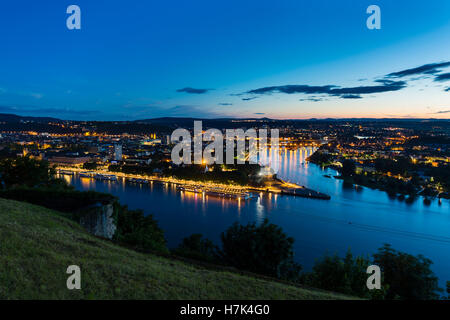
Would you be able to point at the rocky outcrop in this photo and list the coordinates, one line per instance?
(98, 220)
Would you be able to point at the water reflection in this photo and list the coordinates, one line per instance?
(360, 218)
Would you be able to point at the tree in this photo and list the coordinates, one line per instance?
(346, 275)
(408, 277)
(90, 166)
(263, 249)
(139, 231)
(321, 158)
(348, 168)
(26, 171)
(196, 247)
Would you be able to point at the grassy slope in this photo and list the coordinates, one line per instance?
(37, 245)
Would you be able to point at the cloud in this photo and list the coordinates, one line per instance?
(225, 104)
(442, 111)
(383, 87)
(312, 99)
(351, 96)
(290, 89)
(385, 84)
(431, 68)
(448, 89)
(259, 113)
(333, 90)
(193, 90)
(248, 99)
(443, 77)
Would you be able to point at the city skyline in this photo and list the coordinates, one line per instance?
(289, 60)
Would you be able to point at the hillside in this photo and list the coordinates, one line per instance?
(37, 245)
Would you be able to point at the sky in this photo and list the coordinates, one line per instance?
(284, 59)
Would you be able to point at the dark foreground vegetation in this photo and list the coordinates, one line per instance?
(255, 248)
(134, 229)
(38, 244)
(260, 249)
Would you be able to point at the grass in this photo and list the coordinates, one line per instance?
(37, 245)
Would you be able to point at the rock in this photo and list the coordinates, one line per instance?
(98, 220)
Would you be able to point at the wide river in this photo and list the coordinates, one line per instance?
(360, 219)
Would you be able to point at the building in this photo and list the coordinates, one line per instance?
(69, 160)
(151, 142)
(118, 152)
(166, 140)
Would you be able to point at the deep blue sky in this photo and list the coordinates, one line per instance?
(241, 58)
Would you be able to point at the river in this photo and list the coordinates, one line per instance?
(357, 218)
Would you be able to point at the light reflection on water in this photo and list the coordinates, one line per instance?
(360, 219)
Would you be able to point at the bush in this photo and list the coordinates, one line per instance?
(140, 232)
(320, 158)
(403, 276)
(90, 166)
(30, 180)
(263, 249)
(198, 248)
(64, 200)
(347, 275)
(25, 171)
(409, 277)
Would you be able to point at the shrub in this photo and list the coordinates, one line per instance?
(346, 275)
(263, 249)
(138, 231)
(403, 276)
(409, 277)
(65, 200)
(26, 171)
(198, 248)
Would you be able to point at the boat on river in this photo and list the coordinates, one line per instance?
(107, 177)
(138, 180)
(217, 192)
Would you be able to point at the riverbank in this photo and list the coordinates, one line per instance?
(274, 186)
(395, 177)
(39, 244)
(361, 218)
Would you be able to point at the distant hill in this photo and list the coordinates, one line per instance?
(166, 125)
(38, 244)
(180, 121)
(230, 123)
(13, 118)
